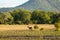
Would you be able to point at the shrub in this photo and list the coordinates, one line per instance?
(57, 25)
(36, 27)
(41, 29)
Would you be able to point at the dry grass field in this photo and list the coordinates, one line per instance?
(25, 27)
(22, 32)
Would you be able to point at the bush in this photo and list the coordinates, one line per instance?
(36, 27)
(41, 29)
(57, 25)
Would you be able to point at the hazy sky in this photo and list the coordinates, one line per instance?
(11, 3)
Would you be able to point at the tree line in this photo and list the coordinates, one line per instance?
(20, 16)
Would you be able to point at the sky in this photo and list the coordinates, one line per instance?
(11, 3)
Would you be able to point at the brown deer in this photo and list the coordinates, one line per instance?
(30, 28)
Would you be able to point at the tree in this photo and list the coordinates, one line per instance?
(55, 18)
(25, 16)
(1, 19)
(35, 16)
(21, 15)
(46, 18)
(40, 17)
(16, 14)
(7, 17)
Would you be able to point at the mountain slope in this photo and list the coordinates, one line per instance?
(51, 5)
(47, 5)
(5, 9)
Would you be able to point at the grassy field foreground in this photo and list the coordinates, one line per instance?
(21, 32)
(29, 35)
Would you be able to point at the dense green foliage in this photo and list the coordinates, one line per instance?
(26, 17)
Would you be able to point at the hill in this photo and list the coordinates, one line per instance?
(47, 5)
(50, 5)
